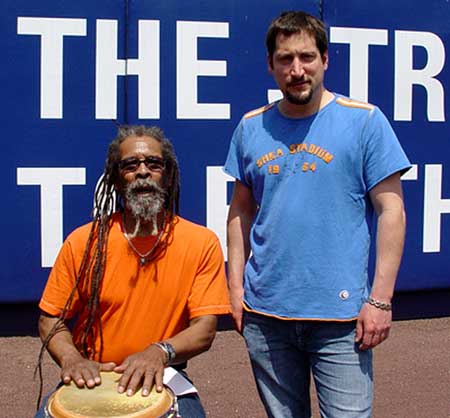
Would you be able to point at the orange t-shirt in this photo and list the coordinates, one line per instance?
(144, 304)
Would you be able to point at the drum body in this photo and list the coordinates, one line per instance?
(104, 401)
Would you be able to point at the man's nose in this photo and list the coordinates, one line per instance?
(142, 170)
(297, 69)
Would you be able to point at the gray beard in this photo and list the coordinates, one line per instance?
(144, 209)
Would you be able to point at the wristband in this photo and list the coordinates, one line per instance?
(378, 304)
(168, 350)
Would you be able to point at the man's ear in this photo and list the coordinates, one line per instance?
(270, 64)
(325, 60)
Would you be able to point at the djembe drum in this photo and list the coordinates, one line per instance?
(104, 401)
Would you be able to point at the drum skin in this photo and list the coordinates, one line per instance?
(104, 401)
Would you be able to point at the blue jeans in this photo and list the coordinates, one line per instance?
(189, 406)
(284, 354)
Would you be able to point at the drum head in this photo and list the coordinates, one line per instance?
(104, 401)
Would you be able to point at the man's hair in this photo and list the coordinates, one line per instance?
(92, 268)
(292, 22)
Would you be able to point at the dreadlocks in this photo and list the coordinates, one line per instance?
(92, 268)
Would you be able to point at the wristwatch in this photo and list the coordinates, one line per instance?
(169, 350)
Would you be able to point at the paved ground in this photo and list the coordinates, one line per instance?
(412, 375)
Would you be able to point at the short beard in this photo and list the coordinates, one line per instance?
(144, 209)
(299, 100)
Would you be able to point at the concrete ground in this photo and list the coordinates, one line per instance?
(412, 375)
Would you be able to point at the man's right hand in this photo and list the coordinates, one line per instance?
(236, 308)
(82, 371)
(73, 365)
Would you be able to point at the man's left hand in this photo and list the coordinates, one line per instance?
(146, 367)
(372, 326)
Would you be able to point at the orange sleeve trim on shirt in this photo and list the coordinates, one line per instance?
(298, 319)
(258, 111)
(353, 103)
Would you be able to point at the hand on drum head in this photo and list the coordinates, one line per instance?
(83, 372)
(146, 368)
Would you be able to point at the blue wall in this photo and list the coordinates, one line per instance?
(201, 65)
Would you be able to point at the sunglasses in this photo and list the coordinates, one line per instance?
(155, 164)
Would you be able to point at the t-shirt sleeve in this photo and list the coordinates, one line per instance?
(234, 165)
(383, 154)
(209, 293)
(60, 283)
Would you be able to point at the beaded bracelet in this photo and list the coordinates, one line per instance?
(378, 304)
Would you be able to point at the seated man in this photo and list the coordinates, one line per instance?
(141, 285)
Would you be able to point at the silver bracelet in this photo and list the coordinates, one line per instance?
(168, 350)
(378, 304)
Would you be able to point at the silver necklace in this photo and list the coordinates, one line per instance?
(142, 257)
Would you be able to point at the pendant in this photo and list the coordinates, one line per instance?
(142, 261)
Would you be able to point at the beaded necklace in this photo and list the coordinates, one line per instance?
(143, 258)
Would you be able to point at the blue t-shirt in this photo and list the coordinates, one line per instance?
(310, 178)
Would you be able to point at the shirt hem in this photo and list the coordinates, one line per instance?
(300, 318)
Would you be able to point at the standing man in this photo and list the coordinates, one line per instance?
(144, 285)
(310, 170)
